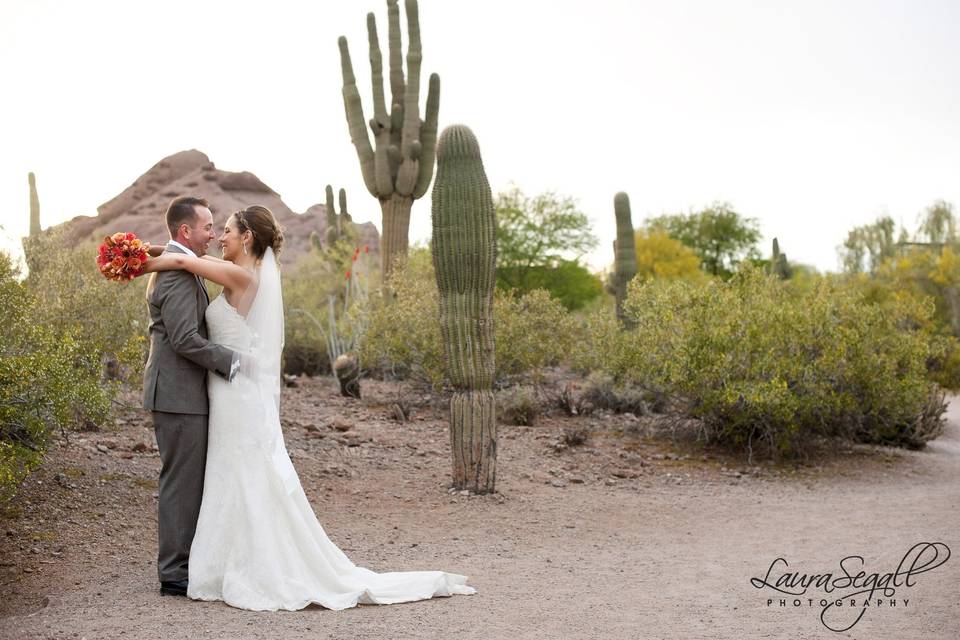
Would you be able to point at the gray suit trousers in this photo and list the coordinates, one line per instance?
(182, 441)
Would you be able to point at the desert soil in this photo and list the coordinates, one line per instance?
(629, 535)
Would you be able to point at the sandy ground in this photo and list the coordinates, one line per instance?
(626, 536)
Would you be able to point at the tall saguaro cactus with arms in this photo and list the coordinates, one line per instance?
(464, 259)
(398, 166)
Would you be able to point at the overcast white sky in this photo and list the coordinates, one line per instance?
(812, 116)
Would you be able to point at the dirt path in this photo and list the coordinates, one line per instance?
(624, 537)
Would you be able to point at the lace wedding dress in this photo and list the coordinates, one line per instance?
(258, 544)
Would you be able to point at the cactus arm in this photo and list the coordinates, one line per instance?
(355, 121)
(410, 133)
(380, 125)
(376, 73)
(428, 137)
(343, 202)
(411, 97)
(396, 55)
(331, 212)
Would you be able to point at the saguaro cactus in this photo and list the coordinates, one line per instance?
(625, 255)
(337, 225)
(464, 258)
(398, 167)
(778, 262)
(34, 205)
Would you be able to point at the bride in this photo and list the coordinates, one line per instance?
(258, 544)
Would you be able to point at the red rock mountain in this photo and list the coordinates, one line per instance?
(140, 207)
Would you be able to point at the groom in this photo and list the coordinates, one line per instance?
(175, 388)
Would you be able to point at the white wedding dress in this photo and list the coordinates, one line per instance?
(258, 544)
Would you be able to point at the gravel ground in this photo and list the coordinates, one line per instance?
(629, 535)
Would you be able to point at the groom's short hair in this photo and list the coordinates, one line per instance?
(183, 210)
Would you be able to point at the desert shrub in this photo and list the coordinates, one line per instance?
(532, 331)
(574, 436)
(316, 280)
(107, 319)
(50, 378)
(518, 405)
(403, 327)
(602, 392)
(762, 366)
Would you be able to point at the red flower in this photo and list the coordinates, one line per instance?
(348, 274)
(366, 248)
(122, 256)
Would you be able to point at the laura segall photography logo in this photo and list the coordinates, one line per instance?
(845, 596)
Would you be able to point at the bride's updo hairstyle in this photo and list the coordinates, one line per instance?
(261, 223)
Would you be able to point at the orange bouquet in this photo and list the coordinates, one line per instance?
(122, 256)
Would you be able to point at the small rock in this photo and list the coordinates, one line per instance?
(340, 425)
(140, 447)
(102, 448)
(465, 492)
(61, 479)
(576, 480)
(558, 483)
(610, 482)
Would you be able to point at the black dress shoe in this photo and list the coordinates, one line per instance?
(178, 588)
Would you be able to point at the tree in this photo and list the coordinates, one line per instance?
(718, 234)
(938, 224)
(867, 246)
(537, 232)
(569, 282)
(660, 256)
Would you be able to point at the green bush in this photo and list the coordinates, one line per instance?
(402, 337)
(307, 288)
(107, 319)
(763, 366)
(569, 282)
(531, 331)
(50, 377)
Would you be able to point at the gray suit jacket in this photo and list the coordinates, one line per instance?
(175, 380)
